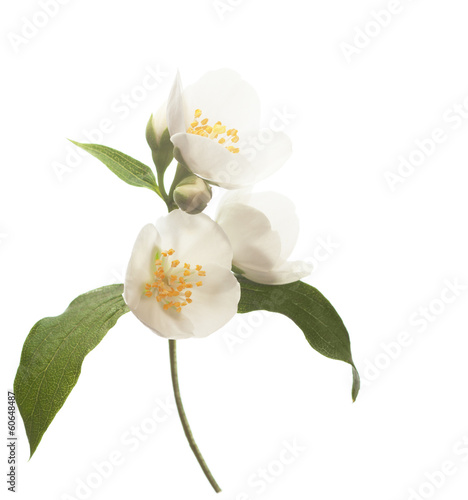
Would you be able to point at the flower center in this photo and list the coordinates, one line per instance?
(200, 126)
(172, 281)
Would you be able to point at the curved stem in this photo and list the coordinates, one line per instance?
(183, 417)
(162, 189)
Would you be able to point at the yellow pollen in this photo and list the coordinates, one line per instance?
(217, 131)
(171, 281)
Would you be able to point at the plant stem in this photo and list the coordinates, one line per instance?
(161, 185)
(183, 417)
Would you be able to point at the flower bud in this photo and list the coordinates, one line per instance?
(159, 140)
(192, 195)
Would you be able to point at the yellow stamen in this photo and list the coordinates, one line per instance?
(170, 289)
(218, 131)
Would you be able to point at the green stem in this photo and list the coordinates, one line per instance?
(161, 185)
(183, 417)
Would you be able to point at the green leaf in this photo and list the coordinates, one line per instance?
(312, 313)
(54, 352)
(127, 168)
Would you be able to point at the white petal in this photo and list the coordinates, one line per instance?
(160, 121)
(223, 96)
(254, 243)
(215, 302)
(175, 108)
(267, 156)
(279, 210)
(167, 324)
(213, 162)
(196, 239)
(287, 272)
(140, 267)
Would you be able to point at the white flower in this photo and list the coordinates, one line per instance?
(179, 281)
(215, 128)
(263, 230)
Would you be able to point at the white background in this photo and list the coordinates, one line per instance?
(391, 252)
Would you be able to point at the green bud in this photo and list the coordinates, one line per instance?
(192, 195)
(159, 140)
